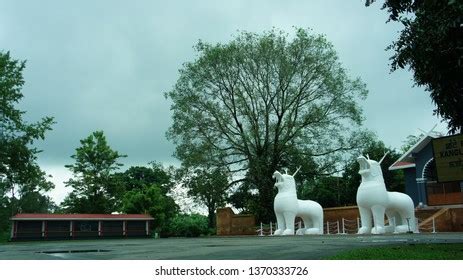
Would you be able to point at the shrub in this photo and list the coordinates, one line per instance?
(193, 225)
(4, 236)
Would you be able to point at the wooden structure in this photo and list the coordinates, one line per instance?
(79, 226)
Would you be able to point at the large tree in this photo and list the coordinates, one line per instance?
(95, 188)
(138, 177)
(152, 200)
(147, 190)
(21, 178)
(246, 104)
(208, 187)
(431, 44)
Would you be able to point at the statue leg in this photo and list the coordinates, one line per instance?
(307, 225)
(408, 222)
(300, 231)
(391, 217)
(281, 224)
(316, 227)
(365, 217)
(289, 221)
(378, 219)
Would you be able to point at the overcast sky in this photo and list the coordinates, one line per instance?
(105, 65)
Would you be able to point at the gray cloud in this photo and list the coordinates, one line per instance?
(106, 64)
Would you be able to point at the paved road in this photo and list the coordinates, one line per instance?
(213, 248)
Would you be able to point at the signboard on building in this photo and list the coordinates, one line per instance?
(448, 156)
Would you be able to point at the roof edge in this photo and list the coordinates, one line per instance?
(406, 166)
(410, 150)
(80, 219)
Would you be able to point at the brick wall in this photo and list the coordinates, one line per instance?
(229, 223)
(337, 213)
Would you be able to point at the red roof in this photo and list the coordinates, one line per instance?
(82, 217)
(402, 163)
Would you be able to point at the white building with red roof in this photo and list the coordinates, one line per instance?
(78, 226)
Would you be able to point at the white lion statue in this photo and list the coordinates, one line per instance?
(287, 207)
(374, 201)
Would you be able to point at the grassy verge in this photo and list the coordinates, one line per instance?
(405, 252)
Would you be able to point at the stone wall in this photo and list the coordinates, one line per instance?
(449, 221)
(337, 213)
(229, 223)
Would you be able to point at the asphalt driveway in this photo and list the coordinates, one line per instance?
(211, 248)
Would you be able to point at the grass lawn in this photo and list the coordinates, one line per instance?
(405, 252)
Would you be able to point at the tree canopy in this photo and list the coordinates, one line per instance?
(431, 44)
(138, 177)
(146, 190)
(22, 182)
(208, 187)
(152, 200)
(95, 189)
(245, 105)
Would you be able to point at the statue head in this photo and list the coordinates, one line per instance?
(284, 182)
(370, 170)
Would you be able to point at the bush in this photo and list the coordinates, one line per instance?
(4, 236)
(193, 225)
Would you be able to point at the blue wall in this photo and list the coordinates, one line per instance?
(422, 158)
(411, 187)
(417, 191)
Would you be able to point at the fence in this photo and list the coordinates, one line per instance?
(345, 226)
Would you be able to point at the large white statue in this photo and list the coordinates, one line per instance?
(287, 207)
(374, 201)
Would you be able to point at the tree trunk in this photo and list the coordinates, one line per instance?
(260, 176)
(211, 217)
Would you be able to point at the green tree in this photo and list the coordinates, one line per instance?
(95, 189)
(153, 200)
(35, 202)
(208, 187)
(19, 172)
(243, 105)
(147, 191)
(192, 225)
(431, 44)
(410, 142)
(326, 190)
(20, 175)
(138, 177)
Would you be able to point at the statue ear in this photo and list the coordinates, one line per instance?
(385, 154)
(294, 174)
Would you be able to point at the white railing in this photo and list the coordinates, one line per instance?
(345, 226)
(266, 229)
(428, 227)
